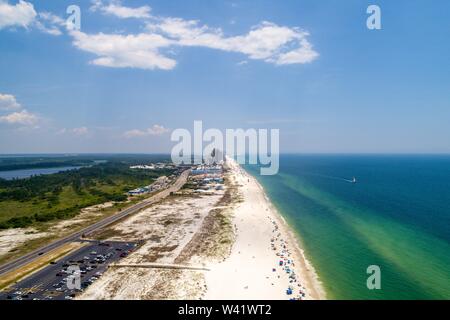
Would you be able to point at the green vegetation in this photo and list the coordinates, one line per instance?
(62, 195)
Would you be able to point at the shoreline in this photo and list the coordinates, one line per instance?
(317, 292)
(263, 241)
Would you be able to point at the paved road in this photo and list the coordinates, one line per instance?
(50, 283)
(98, 225)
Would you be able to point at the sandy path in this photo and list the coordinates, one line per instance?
(261, 234)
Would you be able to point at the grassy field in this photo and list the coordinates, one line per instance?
(37, 200)
(54, 235)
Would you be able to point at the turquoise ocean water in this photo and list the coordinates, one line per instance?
(396, 216)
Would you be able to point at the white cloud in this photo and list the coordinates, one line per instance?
(148, 50)
(53, 19)
(21, 14)
(80, 131)
(116, 8)
(49, 30)
(125, 51)
(156, 130)
(8, 102)
(267, 41)
(24, 15)
(151, 48)
(135, 133)
(304, 54)
(23, 118)
(50, 23)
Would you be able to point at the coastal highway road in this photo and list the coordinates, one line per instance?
(15, 264)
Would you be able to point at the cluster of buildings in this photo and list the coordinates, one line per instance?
(159, 184)
(207, 178)
(154, 166)
(207, 170)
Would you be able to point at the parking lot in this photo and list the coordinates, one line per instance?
(51, 282)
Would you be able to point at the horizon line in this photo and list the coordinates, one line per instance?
(168, 154)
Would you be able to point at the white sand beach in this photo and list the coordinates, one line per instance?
(246, 249)
(263, 241)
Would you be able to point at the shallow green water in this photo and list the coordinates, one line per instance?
(397, 217)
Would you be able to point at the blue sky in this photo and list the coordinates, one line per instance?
(331, 86)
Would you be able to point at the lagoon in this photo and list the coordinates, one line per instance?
(26, 173)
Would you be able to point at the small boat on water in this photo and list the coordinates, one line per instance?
(354, 180)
